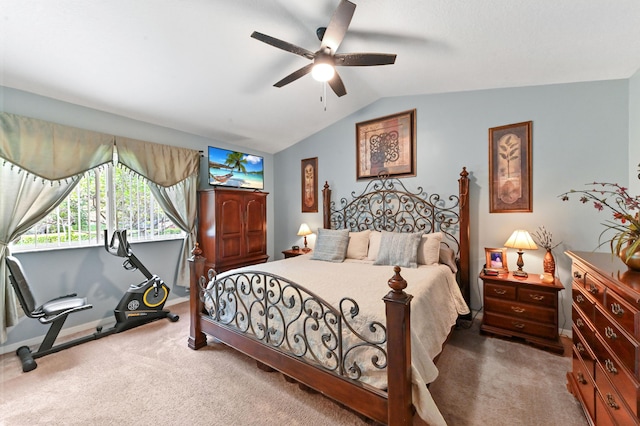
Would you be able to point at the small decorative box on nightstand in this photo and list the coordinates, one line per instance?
(294, 253)
(522, 307)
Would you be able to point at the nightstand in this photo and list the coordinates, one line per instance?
(522, 307)
(294, 253)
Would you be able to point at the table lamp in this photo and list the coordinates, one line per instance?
(304, 231)
(520, 240)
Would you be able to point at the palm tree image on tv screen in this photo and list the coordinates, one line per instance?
(235, 169)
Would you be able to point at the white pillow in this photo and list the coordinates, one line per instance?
(429, 249)
(374, 245)
(358, 245)
(399, 248)
(331, 245)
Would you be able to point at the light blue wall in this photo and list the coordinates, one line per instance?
(580, 134)
(92, 272)
(634, 133)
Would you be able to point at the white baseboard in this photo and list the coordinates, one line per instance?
(71, 330)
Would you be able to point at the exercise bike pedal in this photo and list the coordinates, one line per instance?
(28, 363)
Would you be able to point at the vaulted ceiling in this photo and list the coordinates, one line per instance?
(191, 65)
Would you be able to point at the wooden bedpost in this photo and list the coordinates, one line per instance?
(197, 338)
(398, 309)
(326, 206)
(465, 244)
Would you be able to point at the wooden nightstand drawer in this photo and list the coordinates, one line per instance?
(507, 292)
(521, 326)
(625, 347)
(521, 310)
(538, 297)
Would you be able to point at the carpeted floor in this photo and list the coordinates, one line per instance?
(148, 376)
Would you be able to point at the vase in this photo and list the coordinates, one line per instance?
(633, 262)
(549, 263)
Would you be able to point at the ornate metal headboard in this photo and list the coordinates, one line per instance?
(386, 204)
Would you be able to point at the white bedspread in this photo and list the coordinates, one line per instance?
(436, 303)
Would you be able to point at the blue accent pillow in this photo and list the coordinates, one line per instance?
(398, 248)
(331, 245)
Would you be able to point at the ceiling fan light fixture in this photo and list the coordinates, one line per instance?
(323, 71)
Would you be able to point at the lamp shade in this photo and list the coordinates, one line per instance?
(304, 230)
(521, 240)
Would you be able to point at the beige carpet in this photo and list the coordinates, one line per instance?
(148, 376)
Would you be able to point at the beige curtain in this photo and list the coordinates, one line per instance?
(173, 172)
(41, 164)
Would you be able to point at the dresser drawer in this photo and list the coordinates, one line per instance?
(617, 340)
(582, 302)
(623, 313)
(612, 402)
(547, 331)
(604, 415)
(538, 297)
(520, 310)
(507, 292)
(623, 381)
(595, 288)
(585, 383)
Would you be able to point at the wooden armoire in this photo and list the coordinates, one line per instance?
(232, 227)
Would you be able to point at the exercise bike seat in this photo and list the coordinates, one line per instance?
(48, 311)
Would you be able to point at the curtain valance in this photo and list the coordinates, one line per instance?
(49, 150)
(164, 165)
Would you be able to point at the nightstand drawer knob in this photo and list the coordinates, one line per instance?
(518, 325)
(611, 402)
(608, 331)
(616, 309)
(611, 368)
(580, 323)
(517, 309)
(537, 297)
(499, 291)
(581, 379)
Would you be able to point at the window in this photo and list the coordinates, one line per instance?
(80, 220)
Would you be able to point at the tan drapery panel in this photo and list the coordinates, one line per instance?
(49, 150)
(163, 165)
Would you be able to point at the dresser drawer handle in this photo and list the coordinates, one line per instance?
(581, 379)
(577, 275)
(518, 325)
(608, 331)
(616, 309)
(517, 309)
(579, 298)
(580, 323)
(611, 402)
(499, 291)
(537, 297)
(608, 364)
(580, 347)
(593, 289)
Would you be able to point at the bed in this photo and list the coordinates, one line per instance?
(326, 323)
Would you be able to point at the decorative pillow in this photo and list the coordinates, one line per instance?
(399, 249)
(448, 257)
(331, 245)
(429, 248)
(358, 245)
(374, 245)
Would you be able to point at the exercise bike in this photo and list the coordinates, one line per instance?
(142, 303)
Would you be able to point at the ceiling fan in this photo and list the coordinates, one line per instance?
(326, 59)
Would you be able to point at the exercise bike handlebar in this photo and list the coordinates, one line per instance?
(121, 248)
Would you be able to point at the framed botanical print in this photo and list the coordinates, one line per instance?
(510, 168)
(309, 175)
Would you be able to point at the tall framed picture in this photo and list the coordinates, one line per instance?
(309, 174)
(510, 168)
(386, 145)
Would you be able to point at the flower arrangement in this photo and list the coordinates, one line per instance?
(624, 210)
(544, 238)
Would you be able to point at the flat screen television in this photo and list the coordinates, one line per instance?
(235, 169)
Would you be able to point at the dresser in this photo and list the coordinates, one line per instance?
(606, 338)
(525, 308)
(232, 227)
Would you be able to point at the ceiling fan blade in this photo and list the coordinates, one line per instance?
(337, 85)
(363, 59)
(295, 75)
(283, 45)
(338, 25)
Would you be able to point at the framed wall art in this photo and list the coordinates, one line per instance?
(386, 145)
(309, 174)
(510, 168)
(496, 259)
